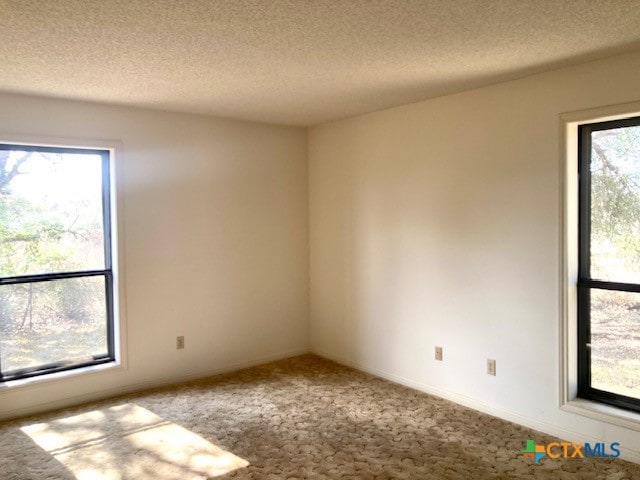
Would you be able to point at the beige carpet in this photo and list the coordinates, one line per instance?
(304, 417)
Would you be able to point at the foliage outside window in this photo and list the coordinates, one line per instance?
(609, 263)
(56, 281)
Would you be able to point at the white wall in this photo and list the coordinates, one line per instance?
(438, 223)
(216, 242)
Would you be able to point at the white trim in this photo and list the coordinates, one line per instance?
(568, 255)
(568, 400)
(602, 114)
(11, 386)
(469, 402)
(604, 413)
(145, 385)
(117, 244)
(58, 142)
(118, 254)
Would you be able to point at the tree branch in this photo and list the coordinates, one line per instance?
(628, 184)
(7, 175)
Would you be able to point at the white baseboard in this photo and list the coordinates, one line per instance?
(140, 386)
(544, 427)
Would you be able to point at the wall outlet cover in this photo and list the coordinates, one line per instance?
(491, 367)
(439, 353)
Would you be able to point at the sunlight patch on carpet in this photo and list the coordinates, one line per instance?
(128, 441)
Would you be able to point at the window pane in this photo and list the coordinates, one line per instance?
(50, 212)
(615, 205)
(615, 342)
(55, 321)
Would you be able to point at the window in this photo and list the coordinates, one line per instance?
(608, 281)
(56, 277)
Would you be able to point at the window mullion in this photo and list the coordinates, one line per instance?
(50, 276)
(608, 285)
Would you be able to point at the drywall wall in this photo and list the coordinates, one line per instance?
(438, 223)
(215, 242)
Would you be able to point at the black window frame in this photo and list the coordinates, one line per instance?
(107, 272)
(585, 282)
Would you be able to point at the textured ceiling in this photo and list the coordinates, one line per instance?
(295, 62)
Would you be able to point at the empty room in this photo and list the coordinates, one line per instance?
(329, 239)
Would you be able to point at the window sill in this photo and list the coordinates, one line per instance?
(11, 385)
(605, 413)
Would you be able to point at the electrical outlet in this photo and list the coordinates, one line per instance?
(439, 353)
(179, 343)
(491, 367)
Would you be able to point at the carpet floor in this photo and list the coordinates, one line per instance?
(300, 418)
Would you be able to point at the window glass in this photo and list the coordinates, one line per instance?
(56, 282)
(609, 263)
